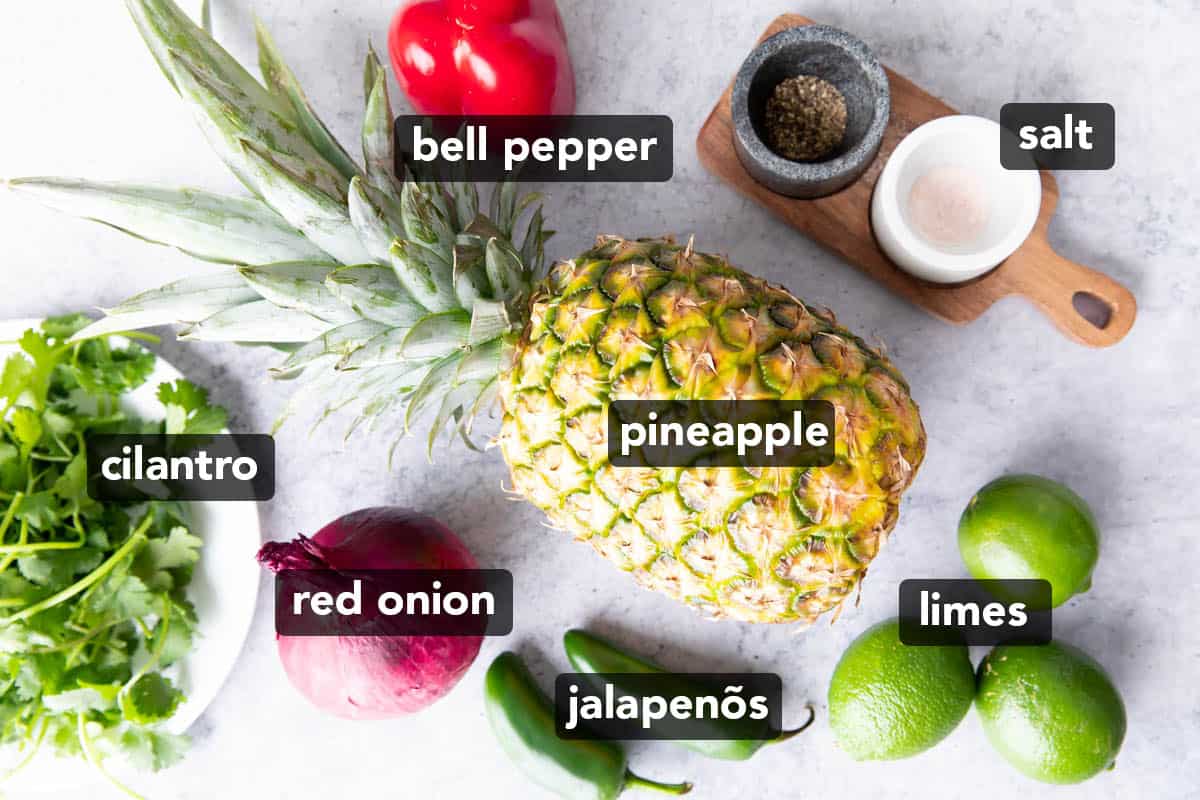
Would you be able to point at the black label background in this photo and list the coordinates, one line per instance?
(1035, 594)
(257, 446)
(668, 685)
(1101, 116)
(659, 166)
(376, 582)
(709, 413)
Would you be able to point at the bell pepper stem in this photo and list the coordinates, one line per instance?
(636, 781)
(783, 737)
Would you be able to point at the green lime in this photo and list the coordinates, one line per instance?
(1026, 526)
(1051, 711)
(890, 700)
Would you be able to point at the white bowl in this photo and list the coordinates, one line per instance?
(1012, 199)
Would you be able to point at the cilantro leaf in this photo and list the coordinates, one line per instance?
(188, 409)
(45, 358)
(13, 587)
(85, 698)
(65, 326)
(27, 428)
(40, 674)
(178, 549)
(71, 487)
(58, 568)
(161, 557)
(180, 631)
(148, 749)
(152, 698)
(169, 514)
(123, 596)
(39, 509)
(16, 638)
(62, 737)
(57, 422)
(12, 472)
(16, 377)
(99, 370)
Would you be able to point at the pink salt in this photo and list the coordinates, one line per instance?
(948, 206)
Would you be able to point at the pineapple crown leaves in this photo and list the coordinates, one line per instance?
(386, 292)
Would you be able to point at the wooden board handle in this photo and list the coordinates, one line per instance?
(1065, 290)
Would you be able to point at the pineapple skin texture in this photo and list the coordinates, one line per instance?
(650, 319)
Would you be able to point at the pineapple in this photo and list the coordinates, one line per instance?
(396, 298)
(649, 319)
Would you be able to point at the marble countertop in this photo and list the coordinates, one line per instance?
(82, 97)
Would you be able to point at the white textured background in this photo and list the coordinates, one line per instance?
(80, 96)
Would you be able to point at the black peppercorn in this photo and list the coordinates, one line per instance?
(805, 119)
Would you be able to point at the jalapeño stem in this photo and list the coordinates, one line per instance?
(785, 735)
(655, 786)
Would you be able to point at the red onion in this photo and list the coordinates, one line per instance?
(374, 677)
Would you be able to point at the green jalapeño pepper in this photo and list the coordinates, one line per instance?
(522, 718)
(590, 654)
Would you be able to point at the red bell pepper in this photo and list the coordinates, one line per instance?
(468, 57)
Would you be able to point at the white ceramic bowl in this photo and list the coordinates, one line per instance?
(1012, 199)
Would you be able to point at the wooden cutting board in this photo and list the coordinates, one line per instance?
(842, 223)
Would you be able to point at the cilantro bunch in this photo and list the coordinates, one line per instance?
(93, 605)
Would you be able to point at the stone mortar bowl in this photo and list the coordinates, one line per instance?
(830, 54)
